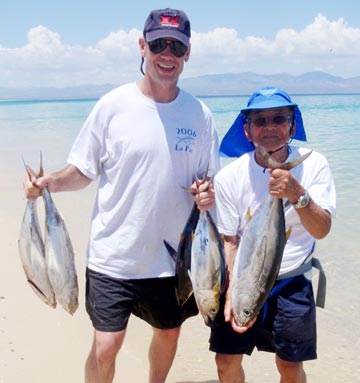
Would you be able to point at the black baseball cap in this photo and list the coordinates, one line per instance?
(167, 23)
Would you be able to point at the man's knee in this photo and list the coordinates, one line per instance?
(225, 362)
(107, 345)
(290, 371)
(169, 335)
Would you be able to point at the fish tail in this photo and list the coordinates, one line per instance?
(273, 164)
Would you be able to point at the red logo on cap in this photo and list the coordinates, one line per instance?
(170, 20)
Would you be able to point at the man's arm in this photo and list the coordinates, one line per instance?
(68, 179)
(316, 220)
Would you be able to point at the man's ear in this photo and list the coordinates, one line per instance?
(293, 129)
(247, 132)
(142, 46)
(187, 54)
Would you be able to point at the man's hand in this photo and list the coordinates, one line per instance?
(204, 194)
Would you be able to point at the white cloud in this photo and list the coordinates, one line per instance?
(328, 45)
(47, 61)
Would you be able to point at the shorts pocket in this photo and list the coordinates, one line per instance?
(296, 317)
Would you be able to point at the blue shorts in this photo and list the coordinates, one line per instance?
(111, 301)
(286, 325)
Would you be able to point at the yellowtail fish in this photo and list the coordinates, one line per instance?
(182, 257)
(208, 268)
(260, 252)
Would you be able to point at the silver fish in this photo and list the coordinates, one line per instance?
(32, 255)
(59, 256)
(208, 268)
(260, 252)
(182, 257)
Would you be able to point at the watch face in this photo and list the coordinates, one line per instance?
(304, 202)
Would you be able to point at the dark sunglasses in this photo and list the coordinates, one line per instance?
(177, 48)
(261, 122)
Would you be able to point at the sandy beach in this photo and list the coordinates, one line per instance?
(41, 345)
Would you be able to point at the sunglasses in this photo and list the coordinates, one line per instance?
(177, 48)
(261, 122)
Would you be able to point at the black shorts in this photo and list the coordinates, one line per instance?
(110, 301)
(286, 325)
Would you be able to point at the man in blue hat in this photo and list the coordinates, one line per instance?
(286, 324)
(141, 141)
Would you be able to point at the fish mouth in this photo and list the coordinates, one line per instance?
(210, 321)
(42, 294)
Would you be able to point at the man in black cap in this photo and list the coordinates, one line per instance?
(141, 140)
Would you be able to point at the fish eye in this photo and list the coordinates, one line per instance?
(213, 311)
(246, 313)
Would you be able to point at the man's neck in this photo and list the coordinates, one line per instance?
(162, 94)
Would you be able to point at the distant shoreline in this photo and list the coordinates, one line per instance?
(92, 98)
(207, 85)
(49, 100)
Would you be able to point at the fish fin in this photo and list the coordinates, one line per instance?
(272, 163)
(208, 176)
(172, 252)
(248, 215)
(199, 181)
(31, 172)
(41, 169)
(216, 290)
(287, 233)
(191, 278)
(296, 161)
(185, 188)
(41, 294)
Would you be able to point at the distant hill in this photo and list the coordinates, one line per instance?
(208, 85)
(52, 93)
(247, 82)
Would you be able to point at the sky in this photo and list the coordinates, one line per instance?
(65, 43)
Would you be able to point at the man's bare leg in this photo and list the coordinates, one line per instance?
(291, 372)
(229, 368)
(162, 353)
(100, 364)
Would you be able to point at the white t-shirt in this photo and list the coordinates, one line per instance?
(244, 184)
(142, 151)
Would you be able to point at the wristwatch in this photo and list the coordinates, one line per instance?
(303, 201)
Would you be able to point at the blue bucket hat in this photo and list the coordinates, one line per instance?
(235, 143)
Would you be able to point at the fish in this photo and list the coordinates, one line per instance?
(59, 254)
(32, 254)
(258, 259)
(208, 272)
(182, 257)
